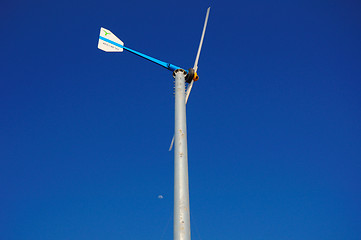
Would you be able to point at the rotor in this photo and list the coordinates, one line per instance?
(191, 75)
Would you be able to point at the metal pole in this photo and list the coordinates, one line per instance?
(181, 224)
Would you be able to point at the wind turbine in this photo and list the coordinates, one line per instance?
(108, 42)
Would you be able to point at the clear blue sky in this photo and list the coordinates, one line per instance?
(274, 123)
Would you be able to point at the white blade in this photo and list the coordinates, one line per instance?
(171, 144)
(195, 67)
(108, 42)
(189, 88)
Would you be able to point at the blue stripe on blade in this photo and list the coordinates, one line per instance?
(110, 41)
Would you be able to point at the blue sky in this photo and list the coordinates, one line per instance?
(274, 123)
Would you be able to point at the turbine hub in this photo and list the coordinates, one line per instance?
(191, 75)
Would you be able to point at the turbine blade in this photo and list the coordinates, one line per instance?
(195, 67)
(171, 144)
(189, 88)
(190, 85)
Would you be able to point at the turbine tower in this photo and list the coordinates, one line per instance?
(108, 42)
